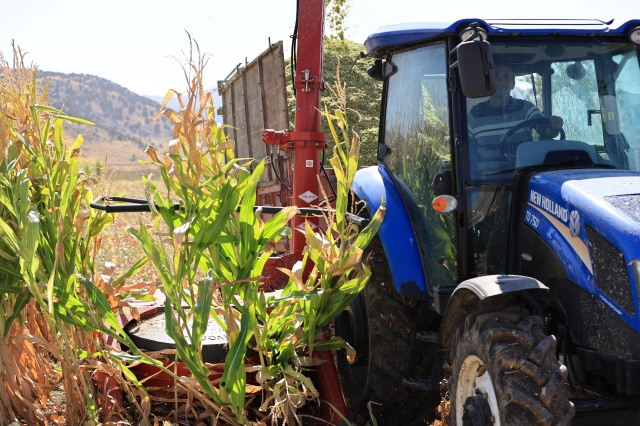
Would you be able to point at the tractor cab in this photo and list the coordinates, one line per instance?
(509, 160)
(469, 106)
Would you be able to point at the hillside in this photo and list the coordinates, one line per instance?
(124, 124)
(175, 105)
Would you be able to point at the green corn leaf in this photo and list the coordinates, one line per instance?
(11, 288)
(69, 187)
(234, 377)
(202, 309)
(100, 302)
(353, 286)
(57, 137)
(337, 307)
(131, 272)
(295, 295)
(18, 305)
(259, 263)
(247, 215)
(9, 238)
(213, 229)
(32, 234)
(333, 344)
(188, 356)
(370, 231)
(153, 252)
(9, 267)
(309, 307)
(82, 354)
(77, 143)
(330, 118)
(46, 108)
(72, 310)
(7, 202)
(74, 119)
(277, 223)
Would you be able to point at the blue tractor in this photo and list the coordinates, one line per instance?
(506, 274)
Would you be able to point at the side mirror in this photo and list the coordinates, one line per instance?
(380, 69)
(475, 65)
(576, 71)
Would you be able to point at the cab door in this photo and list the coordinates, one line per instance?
(415, 146)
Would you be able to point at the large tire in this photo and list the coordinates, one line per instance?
(379, 325)
(506, 372)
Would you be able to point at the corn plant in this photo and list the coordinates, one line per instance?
(211, 250)
(55, 308)
(307, 304)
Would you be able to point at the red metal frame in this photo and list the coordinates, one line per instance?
(306, 142)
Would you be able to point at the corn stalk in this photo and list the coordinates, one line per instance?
(53, 315)
(210, 255)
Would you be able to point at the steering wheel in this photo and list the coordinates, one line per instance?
(504, 142)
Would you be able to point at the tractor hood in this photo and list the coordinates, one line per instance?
(591, 219)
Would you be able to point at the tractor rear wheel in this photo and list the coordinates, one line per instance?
(378, 325)
(506, 372)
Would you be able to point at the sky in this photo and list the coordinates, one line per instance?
(141, 44)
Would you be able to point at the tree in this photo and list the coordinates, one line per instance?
(348, 87)
(336, 13)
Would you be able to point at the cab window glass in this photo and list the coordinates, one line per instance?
(418, 145)
(628, 97)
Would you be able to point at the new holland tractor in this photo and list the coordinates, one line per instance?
(506, 274)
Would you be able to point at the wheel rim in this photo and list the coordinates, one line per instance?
(475, 398)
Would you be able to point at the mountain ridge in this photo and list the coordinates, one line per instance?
(124, 122)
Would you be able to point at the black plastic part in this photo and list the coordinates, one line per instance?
(427, 336)
(476, 68)
(437, 373)
(623, 373)
(441, 296)
(129, 205)
(375, 70)
(137, 205)
(443, 183)
(420, 384)
(477, 411)
(150, 334)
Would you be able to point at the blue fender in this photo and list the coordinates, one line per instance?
(372, 185)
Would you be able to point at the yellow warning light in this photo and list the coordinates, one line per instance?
(444, 203)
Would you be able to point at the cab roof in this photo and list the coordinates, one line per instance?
(389, 37)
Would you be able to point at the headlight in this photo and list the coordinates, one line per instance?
(634, 35)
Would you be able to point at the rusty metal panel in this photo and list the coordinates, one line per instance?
(275, 92)
(254, 98)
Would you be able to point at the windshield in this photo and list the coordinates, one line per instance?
(559, 103)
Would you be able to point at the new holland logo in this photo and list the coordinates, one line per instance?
(308, 197)
(574, 223)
